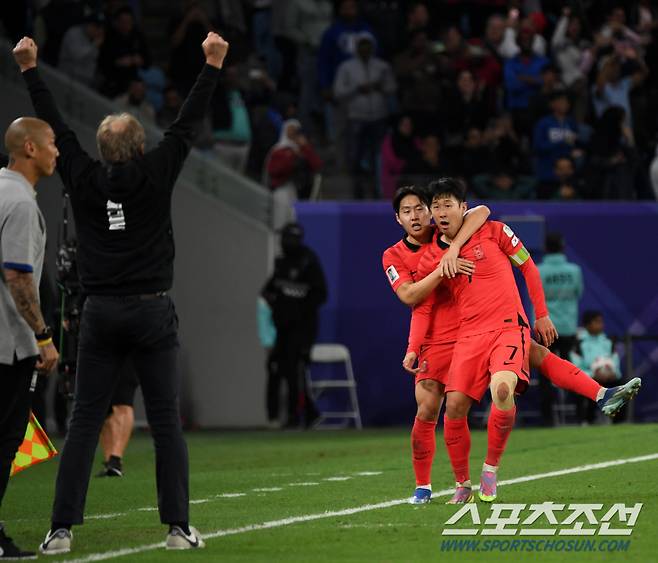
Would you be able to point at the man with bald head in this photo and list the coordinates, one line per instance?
(25, 339)
(122, 211)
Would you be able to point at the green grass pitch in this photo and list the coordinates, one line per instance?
(242, 479)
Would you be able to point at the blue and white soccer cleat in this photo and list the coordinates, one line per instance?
(421, 496)
(616, 397)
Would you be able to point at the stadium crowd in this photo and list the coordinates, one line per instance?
(522, 99)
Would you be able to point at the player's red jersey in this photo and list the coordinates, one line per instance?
(489, 299)
(401, 260)
(443, 323)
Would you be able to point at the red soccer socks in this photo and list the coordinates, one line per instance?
(423, 447)
(567, 376)
(499, 428)
(457, 437)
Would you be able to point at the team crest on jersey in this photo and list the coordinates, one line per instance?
(392, 274)
(478, 252)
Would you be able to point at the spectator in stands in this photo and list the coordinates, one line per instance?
(291, 165)
(123, 53)
(571, 52)
(616, 29)
(417, 75)
(474, 157)
(428, 165)
(510, 45)
(186, 30)
(267, 120)
(338, 44)
(555, 136)
(417, 19)
(563, 286)
(612, 158)
(78, 56)
(596, 356)
(364, 83)
(612, 88)
(522, 80)
(504, 143)
(231, 128)
(134, 102)
(398, 148)
(172, 104)
(540, 103)
(464, 109)
(504, 184)
(52, 22)
(295, 292)
(569, 184)
(309, 20)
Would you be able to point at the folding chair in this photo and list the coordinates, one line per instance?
(334, 354)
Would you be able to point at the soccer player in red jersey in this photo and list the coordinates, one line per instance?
(400, 264)
(493, 348)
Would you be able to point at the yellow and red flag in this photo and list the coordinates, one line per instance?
(36, 447)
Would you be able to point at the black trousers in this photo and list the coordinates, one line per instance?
(14, 413)
(112, 330)
(288, 361)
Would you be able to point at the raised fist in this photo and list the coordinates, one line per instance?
(215, 49)
(25, 53)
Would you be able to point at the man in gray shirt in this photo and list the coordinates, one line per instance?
(25, 339)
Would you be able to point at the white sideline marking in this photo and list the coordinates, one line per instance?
(368, 473)
(303, 484)
(231, 495)
(357, 509)
(337, 479)
(105, 516)
(200, 501)
(267, 490)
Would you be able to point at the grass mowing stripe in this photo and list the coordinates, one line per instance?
(358, 509)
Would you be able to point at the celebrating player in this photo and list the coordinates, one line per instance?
(494, 344)
(400, 264)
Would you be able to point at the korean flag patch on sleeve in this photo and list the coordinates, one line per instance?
(392, 274)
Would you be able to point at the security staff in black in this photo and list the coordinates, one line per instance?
(122, 211)
(295, 292)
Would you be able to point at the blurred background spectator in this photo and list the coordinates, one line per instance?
(595, 355)
(563, 286)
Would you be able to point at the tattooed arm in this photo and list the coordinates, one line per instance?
(24, 292)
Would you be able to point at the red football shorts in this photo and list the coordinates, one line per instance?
(476, 358)
(435, 359)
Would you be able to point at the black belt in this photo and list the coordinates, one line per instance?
(139, 296)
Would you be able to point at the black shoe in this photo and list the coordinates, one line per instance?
(9, 551)
(111, 469)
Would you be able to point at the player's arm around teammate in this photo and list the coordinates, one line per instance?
(413, 293)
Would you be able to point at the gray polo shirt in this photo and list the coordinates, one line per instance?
(22, 246)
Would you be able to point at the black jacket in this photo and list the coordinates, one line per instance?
(296, 290)
(123, 211)
(4, 160)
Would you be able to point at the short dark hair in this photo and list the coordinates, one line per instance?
(554, 243)
(448, 187)
(589, 316)
(404, 191)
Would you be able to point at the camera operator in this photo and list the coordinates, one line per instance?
(122, 208)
